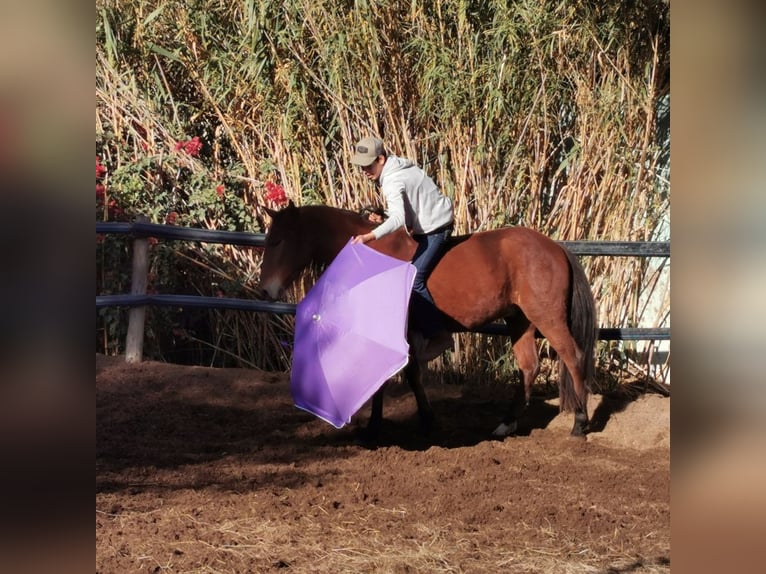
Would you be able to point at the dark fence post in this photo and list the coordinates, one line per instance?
(134, 342)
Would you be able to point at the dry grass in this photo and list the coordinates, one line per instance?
(249, 544)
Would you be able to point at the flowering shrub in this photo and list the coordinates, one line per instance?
(167, 188)
(133, 178)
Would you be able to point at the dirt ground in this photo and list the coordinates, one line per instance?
(215, 470)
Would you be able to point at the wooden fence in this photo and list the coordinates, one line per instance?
(138, 299)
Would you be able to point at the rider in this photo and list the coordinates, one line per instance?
(413, 201)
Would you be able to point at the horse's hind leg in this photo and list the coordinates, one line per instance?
(573, 390)
(526, 353)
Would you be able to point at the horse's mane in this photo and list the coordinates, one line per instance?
(329, 215)
(322, 208)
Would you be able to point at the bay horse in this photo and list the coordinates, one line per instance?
(514, 273)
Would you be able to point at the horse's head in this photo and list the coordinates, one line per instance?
(288, 251)
(313, 235)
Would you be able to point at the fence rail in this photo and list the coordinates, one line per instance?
(139, 229)
(139, 299)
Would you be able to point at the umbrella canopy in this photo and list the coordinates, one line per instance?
(350, 333)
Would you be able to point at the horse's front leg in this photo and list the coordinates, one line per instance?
(370, 434)
(412, 373)
(525, 350)
(519, 404)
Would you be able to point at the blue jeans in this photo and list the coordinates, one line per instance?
(427, 318)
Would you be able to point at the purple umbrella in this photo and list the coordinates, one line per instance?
(350, 333)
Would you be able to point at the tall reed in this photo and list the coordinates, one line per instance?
(536, 113)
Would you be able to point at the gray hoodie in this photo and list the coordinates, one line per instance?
(412, 199)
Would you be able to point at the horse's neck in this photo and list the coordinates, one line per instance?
(332, 233)
(332, 230)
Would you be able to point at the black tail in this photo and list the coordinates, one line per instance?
(582, 325)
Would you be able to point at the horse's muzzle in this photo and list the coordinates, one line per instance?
(270, 291)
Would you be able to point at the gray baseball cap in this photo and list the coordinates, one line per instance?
(367, 151)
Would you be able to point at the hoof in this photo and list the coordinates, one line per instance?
(503, 430)
(581, 437)
(366, 439)
(581, 426)
(427, 427)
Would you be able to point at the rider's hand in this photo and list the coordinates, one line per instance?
(362, 238)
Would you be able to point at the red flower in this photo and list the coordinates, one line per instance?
(275, 193)
(192, 146)
(171, 218)
(100, 192)
(114, 210)
(100, 169)
(219, 190)
(152, 241)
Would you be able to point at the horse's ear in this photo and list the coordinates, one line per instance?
(273, 212)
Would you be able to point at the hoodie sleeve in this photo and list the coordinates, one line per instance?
(394, 193)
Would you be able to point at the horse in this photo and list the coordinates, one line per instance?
(515, 274)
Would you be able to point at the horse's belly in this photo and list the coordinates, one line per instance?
(473, 296)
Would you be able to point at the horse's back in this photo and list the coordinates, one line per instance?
(516, 235)
(509, 250)
(483, 275)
